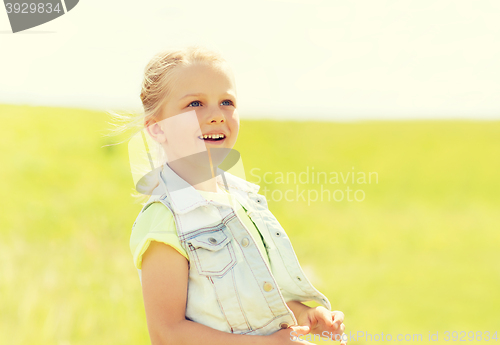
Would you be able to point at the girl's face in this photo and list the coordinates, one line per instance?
(202, 103)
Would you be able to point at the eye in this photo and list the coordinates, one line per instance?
(197, 103)
(228, 101)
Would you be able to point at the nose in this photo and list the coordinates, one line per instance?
(216, 116)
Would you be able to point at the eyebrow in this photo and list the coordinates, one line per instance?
(201, 94)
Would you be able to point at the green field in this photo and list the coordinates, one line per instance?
(420, 253)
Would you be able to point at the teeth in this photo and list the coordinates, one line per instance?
(212, 136)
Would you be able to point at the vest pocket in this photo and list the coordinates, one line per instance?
(212, 253)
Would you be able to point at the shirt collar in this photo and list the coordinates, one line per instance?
(183, 197)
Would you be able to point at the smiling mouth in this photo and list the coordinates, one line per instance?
(212, 137)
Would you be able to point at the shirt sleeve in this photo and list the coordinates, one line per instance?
(155, 223)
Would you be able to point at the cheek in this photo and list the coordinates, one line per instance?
(235, 128)
(234, 122)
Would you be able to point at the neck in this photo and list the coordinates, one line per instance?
(207, 186)
(200, 176)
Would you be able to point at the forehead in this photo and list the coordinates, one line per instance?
(203, 78)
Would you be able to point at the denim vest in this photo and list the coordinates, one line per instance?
(230, 286)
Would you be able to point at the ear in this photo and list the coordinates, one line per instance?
(156, 132)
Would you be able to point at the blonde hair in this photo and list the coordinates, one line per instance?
(159, 78)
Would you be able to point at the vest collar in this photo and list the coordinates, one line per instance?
(184, 198)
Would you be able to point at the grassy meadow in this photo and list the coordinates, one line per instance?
(419, 254)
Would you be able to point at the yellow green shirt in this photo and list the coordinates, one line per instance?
(157, 223)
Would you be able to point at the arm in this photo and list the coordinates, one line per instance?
(164, 285)
(299, 310)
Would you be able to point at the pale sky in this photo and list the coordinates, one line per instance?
(293, 59)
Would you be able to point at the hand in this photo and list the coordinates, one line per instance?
(323, 322)
(290, 336)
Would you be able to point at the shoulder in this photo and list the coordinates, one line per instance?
(154, 223)
(154, 212)
(156, 217)
(156, 208)
(241, 184)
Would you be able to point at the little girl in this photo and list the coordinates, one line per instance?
(216, 267)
